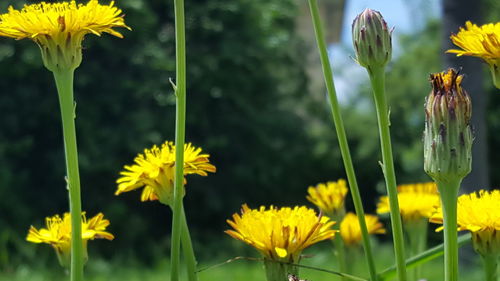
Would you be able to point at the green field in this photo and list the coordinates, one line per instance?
(244, 270)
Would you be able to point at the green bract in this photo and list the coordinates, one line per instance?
(447, 135)
(371, 39)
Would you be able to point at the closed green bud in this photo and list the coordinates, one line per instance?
(372, 39)
(447, 135)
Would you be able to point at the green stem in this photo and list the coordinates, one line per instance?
(340, 253)
(341, 135)
(449, 193)
(490, 267)
(377, 79)
(64, 83)
(187, 246)
(423, 257)
(180, 127)
(417, 238)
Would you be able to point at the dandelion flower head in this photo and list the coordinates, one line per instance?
(328, 197)
(154, 170)
(280, 233)
(58, 233)
(59, 28)
(478, 41)
(350, 231)
(416, 201)
(479, 213)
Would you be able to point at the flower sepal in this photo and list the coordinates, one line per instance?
(372, 40)
(447, 134)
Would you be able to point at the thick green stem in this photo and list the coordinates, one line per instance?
(64, 83)
(377, 79)
(276, 271)
(449, 193)
(187, 247)
(340, 247)
(490, 263)
(180, 127)
(417, 238)
(341, 135)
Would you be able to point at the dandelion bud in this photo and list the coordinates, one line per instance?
(447, 135)
(372, 39)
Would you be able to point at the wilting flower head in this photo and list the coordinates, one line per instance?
(59, 28)
(351, 231)
(416, 201)
(372, 39)
(328, 197)
(447, 135)
(280, 233)
(478, 213)
(483, 42)
(58, 234)
(154, 170)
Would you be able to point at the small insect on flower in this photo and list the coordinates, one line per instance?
(292, 277)
(280, 235)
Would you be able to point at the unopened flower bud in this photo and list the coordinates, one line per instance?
(372, 39)
(447, 135)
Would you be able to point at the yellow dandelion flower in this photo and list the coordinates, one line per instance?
(59, 28)
(58, 234)
(480, 41)
(350, 231)
(328, 197)
(280, 234)
(416, 201)
(154, 170)
(478, 213)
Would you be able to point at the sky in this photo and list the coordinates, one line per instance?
(406, 16)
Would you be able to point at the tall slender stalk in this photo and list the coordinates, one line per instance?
(341, 135)
(417, 237)
(187, 247)
(64, 83)
(180, 128)
(449, 194)
(377, 79)
(340, 251)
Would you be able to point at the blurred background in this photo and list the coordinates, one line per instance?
(256, 104)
